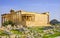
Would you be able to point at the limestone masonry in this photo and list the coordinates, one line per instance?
(27, 18)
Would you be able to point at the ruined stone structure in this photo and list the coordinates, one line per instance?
(27, 18)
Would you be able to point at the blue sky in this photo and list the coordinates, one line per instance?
(52, 6)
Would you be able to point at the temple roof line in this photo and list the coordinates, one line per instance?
(23, 11)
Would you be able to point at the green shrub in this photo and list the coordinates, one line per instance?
(16, 32)
(8, 22)
(2, 33)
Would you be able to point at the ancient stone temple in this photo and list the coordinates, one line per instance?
(27, 18)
